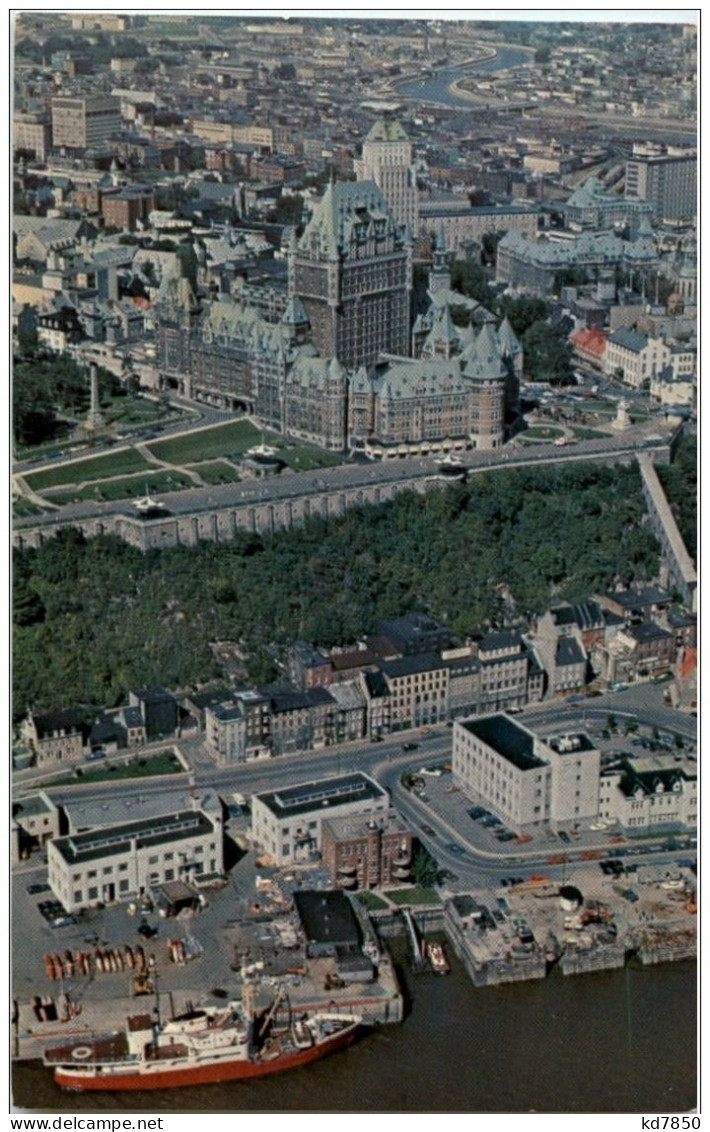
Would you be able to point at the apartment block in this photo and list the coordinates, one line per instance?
(367, 852)
(78, 123)
(525, 779)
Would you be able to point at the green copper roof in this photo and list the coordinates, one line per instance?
(387, 130)
(345, 208)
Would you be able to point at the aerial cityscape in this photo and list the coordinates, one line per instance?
(354, 564)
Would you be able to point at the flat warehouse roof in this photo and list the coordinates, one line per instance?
(81, 847)
(327, 917)
(325, 793)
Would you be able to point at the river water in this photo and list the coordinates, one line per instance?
(613, 1042)
(436, 88)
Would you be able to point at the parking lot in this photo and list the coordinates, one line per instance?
(472, 823)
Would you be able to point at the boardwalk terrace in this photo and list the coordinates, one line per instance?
(287, 823)
(525, 779)
(112, 864)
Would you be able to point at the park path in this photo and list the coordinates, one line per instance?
(165, 466)
(23, 489)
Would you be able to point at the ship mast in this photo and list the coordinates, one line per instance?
(156, 1011)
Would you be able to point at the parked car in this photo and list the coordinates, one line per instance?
(62, 922)
(35, 889)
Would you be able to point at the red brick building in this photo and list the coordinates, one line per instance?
(361, 852)
(124, 208)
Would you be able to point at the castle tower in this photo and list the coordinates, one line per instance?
(352, 270)
(440, 274)
(443, 338)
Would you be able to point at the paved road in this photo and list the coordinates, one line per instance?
(444, 812)
(349, 476)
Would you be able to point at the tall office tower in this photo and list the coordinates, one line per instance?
(78, 123)
(352, 270)
(665, 177)
(387, 160)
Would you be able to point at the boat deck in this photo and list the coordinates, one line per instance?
(104, 1048)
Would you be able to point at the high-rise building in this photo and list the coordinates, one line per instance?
(78, 123)
(666, 178)
(387, 160)
(32, 132)
(352, 270)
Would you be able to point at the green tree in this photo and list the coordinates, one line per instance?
(489, 246)
(472, 280)
(287, 210)
(27, 605)
(114, 617)
(548, 354)
(424, 868)
(523, 311)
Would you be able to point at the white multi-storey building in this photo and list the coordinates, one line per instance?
(80, 122)
(286, 823)
(115, 863)
(387, 160)
(634, 357)
(526, 780)
(650, 792)
(666, 178)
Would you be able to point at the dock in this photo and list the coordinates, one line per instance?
(524, 931)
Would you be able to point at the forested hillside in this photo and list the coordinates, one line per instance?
(93, 618)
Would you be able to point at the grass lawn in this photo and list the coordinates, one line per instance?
(94, 468)
(137, 410)
(164, 762)
(600, 406)
(230, 439)
(129, 488)
(542, 432)
(371, 901)
(303, 458)
(588, 433)
(22, 507)
(216, 471)
(415, 895)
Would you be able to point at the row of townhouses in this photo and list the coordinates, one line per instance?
(410, 673)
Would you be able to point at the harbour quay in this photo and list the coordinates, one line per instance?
(599, 922)
(378, 1003)
(88, 976)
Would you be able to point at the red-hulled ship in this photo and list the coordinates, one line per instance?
(226, 1043)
